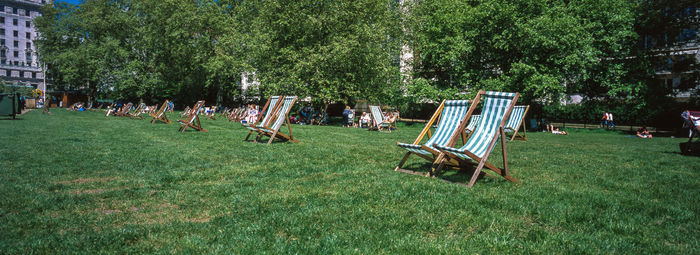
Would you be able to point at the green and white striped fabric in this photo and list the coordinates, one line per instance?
(268, 113)
(495, 106)
(452, 114)
(473, 121)
(377, 115)
(516, 116)
(283, 111)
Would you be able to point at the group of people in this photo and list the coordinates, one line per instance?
(607, 120)
(365, 119)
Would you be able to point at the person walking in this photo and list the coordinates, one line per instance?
(604, 120)
(611, 122)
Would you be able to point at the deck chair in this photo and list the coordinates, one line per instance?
(449, 116)
(137, 113)
(279, 117)
(192, 119)
(496, 110)
(516, 120)
(473, 122)
(270, 107)
(185, 112)
(378, 122)
(160, 115)
(124, 111)
(212, 115)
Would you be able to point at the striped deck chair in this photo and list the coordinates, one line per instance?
(137, 113)
(185, 112)
(449, 116)
(516, 120)
(279, 117)
(496, 110)
(473, 121)
(273, 103)
(212, 115)
(224, 112)
(124, 111)
(160, 115)
(192, 119)
(378, 122)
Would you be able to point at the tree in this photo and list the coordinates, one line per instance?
(329, 50)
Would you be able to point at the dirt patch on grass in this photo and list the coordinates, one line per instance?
(88, 180)
(86, 191)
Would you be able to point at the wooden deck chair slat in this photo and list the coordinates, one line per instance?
(516, 120)
(497, 108)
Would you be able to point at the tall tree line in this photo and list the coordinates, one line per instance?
(341, 50)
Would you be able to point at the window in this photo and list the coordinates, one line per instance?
(2, 31)
(16, 62)
(14, 22)
(14, 10)
(28, 35)
(2, 20)
(33, 75)
(29, 45)
(2, 42)
(27, 23)
(26, 13)
(3, 55)
(29, 58)
(16, 44)
(16, 53)
(15, 33)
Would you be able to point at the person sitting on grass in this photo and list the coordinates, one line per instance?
(643, 132)
(554, 130)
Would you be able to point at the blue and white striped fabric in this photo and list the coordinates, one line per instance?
(268, 113)
(281, 115)
(516, 117)
(377, 115)
(473, 121)
(452, 115)
(495, 106)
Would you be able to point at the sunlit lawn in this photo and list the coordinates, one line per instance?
(82, 182)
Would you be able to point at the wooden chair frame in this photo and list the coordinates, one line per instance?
(437, 156)
(267, 109)
(276, 134)
(377, 126)
(193, 119)
(516, 134)
(124, 111)
(160, 115)
(137, 113)
(450, 158)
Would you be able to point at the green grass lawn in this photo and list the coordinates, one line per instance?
(82, 182)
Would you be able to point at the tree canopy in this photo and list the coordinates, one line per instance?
(341, 50)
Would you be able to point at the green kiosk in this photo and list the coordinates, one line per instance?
(9, 105)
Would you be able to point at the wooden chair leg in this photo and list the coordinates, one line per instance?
(403, 161)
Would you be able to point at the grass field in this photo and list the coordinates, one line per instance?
(77, 182)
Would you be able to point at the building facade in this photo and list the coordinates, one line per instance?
(18, 56)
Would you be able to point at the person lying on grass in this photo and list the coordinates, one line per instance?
(643, 132)
(554, 130)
